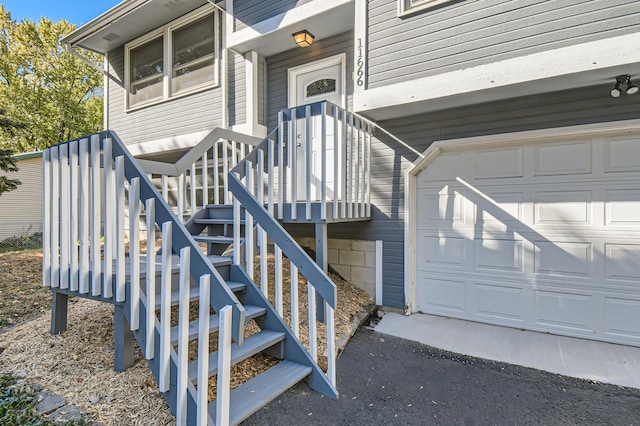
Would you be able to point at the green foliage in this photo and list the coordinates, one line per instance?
(16, 405)
(7, 164)
(51, 95)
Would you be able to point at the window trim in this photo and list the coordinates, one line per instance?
(405, 7)
(166, 31)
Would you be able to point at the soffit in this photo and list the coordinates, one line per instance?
(323, 19)
(127, 21)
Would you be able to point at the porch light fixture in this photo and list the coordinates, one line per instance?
(303, 38)
(623, 79)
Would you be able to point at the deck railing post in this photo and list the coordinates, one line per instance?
(224, 367)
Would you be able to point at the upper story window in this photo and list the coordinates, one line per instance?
(179, 58)
(406, 7)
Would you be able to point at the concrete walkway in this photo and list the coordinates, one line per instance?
(586, 359)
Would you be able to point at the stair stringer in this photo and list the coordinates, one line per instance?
(170, 396)
(293, 348)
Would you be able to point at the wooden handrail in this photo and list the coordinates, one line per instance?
(195, 153)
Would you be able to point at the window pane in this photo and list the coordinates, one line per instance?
(326, 85)
(193, 54)
(146, 71)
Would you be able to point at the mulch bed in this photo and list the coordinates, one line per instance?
(79, 363)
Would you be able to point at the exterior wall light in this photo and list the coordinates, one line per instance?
(632, 89)
(303, 38)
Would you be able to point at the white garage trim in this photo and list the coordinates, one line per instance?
(490, 141)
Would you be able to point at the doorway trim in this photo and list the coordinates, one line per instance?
(294, 72)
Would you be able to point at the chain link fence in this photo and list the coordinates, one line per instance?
(23, 242)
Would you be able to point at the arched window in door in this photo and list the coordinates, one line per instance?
(319, 87)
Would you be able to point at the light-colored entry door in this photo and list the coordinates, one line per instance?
(314, 82)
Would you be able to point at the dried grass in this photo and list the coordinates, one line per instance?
(21, 293)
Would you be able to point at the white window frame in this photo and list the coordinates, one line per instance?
(406, 8)
(166, 32)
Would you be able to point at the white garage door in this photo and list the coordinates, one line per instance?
(543, 236)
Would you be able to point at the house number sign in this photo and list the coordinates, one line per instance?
(360, 65)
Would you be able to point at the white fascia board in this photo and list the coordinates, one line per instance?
(290, 18)
(541, 72)
(96, 24)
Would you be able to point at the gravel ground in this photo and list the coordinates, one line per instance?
(387, 380)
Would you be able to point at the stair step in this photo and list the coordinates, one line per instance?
(216, 221)
(211, 239)
(249, 397)
(220, 206)
(175, 264)
(251, 313)
(194, 293)
(251, 346)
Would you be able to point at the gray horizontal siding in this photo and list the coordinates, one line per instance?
(237, 89)
(389, 160)
(250, 12)
(277, 66)
(188, 114)
(470, 33)
(388, 204)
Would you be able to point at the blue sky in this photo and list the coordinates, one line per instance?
(75, 11)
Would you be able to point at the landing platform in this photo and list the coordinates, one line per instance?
(346, 212)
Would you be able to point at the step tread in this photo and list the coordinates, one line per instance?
(216, 221)
(251, 312)
(175, 264)
(251, 346)
(213, 239)
(254, 394)
(194, 292)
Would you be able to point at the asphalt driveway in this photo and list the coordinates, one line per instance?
(388, 380)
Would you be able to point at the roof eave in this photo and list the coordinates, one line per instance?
(117, 12)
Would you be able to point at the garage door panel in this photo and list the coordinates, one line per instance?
(621, 262)
(564, 310)
(442, 295)
(444, 167)
(617, 315)
(564, 208)
(622, 154)
(498, 163)
(499, 302)
(440, 208)
(562, 159)
(441, 251)
(622, 207)
(499, 254)
(499, 208)
(563, 258)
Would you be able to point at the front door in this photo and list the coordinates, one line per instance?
(314, 82)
